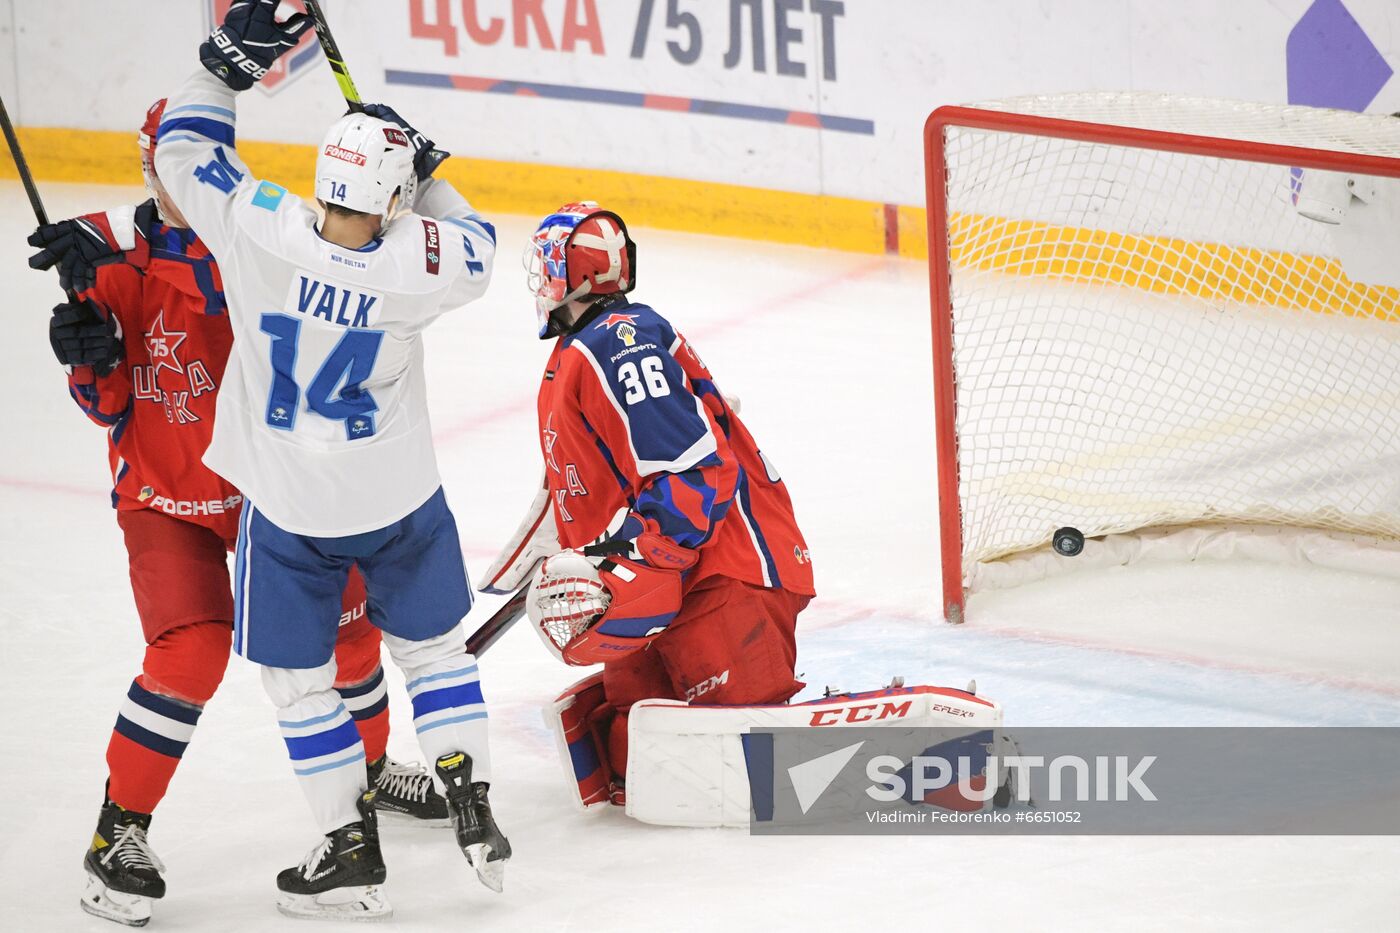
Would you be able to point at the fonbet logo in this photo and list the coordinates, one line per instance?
(344, 155)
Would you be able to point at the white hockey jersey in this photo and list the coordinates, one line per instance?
(322, 420)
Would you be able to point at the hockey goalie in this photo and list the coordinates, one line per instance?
(662, 542)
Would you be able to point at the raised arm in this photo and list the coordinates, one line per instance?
(197, 161)
(438, 200)
(195, 156)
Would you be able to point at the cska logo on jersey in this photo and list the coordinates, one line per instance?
(163, 346)
(292, 65)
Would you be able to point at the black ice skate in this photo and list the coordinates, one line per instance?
(406, 792)
(482, 843)
(341, 878)
(123, 873)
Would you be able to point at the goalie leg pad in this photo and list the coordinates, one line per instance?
(688, 765)
(579, 719)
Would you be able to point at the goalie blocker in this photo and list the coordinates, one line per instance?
(689, 765)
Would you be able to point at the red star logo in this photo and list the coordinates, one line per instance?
(550, 436)
(162, 344)
(612, 319)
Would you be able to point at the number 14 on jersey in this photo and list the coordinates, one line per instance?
(335, 391)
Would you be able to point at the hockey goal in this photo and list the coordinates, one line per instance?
(1155, 314)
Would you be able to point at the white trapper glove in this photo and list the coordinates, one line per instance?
(535, 539)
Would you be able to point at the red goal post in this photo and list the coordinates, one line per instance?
(1121, 177)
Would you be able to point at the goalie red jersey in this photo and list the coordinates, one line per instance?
(168, 300)
(631, 421)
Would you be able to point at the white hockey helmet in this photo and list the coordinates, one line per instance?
(363, 163)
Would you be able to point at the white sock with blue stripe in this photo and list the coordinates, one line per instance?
(449, 713)
(322, 741)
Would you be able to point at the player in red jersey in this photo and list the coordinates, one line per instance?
(669, 546)
(145, 342)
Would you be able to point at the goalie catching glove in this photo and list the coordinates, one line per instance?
(604, 601)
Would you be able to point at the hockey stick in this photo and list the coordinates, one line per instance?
(25, 178)
(493, 628)
(333, 56)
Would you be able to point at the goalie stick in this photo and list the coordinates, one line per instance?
(493, 628)
(333, 56)
(25, 178)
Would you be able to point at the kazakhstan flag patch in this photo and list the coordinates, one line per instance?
(269, 196)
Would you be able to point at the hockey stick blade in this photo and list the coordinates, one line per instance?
(500, 622)
(333, 56)
(25, 178)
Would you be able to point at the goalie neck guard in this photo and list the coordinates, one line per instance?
(581, 250)
(363, 163)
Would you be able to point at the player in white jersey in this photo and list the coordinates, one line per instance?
(322, 422)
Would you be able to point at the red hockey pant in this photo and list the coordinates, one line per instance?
(180, 581)
(731, 644)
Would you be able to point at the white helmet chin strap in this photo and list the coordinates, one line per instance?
(612, 242)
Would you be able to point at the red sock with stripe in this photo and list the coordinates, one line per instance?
(181, 671)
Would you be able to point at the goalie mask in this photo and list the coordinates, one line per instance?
(363, 163)
(578, 251)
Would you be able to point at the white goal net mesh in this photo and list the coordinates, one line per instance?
(1146, 338)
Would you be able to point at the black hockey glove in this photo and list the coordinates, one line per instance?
(240, 51)
(426, 156)
(81, 335)
(79, 246)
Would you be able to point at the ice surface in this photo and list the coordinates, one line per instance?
(830, 354)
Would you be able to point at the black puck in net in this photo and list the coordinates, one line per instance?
(1068, 542)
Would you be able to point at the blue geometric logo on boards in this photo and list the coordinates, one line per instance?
(1332, 62)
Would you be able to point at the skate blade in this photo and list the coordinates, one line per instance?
(490, 873)
(133, 910)
(365, 903)
(398, 818)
